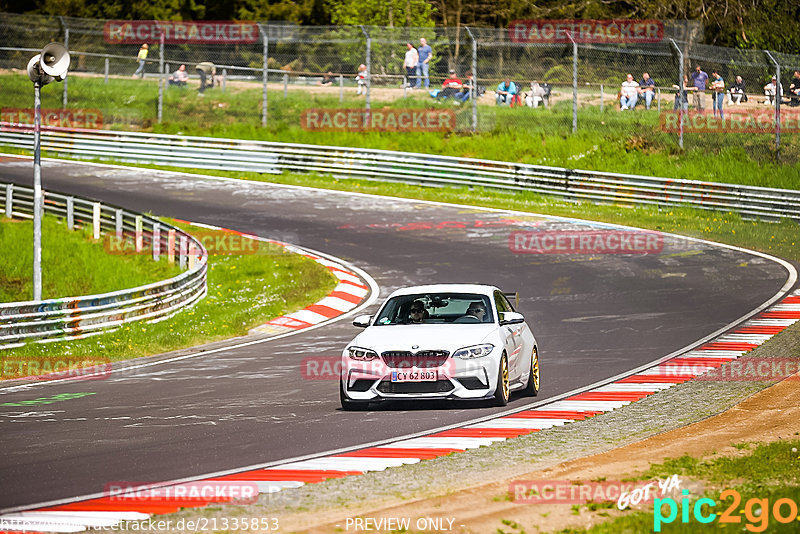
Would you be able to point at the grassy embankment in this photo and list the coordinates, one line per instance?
(243, 291)
(766, 473)
(630, 142)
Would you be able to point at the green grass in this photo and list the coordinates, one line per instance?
(243, 291)
(770, 472)
(630, 142)
(72, 263)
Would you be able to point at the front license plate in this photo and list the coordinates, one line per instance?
(415, 375)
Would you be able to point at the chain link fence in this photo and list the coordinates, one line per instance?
(287, 77)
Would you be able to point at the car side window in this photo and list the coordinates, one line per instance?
(501, 303)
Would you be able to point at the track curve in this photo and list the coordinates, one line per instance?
(595, 316)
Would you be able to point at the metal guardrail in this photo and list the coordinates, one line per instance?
(422, 169)
(83, 316)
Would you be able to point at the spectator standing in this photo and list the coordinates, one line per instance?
(206, 70)
(425, 53)
(717, 94)
(629, 93)
(699, 80)
(179, 77)
(647, 89)
(506, 91)
(736, 93)
(450, 87)
(682, 95)
(772, 89)
(361, 79)
(141, 57)
(410, 64)
(794, 89)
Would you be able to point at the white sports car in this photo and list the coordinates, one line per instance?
(445, 341)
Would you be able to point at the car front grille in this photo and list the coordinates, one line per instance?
(440, 386)
(424, 359)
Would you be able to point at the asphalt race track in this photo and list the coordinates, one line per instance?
(594, 316)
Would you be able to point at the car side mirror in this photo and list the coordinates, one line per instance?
(511, 318)
(362, 321)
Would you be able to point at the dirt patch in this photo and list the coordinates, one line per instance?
(770, 415)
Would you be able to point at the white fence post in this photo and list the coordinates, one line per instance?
(182, 252)
(118, 220)
(171, 245)
(96, 220)
(192, 255)
(9, 200)
(139, 245)
(156, 240)
(70, 213)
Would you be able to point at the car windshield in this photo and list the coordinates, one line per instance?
(436, 308)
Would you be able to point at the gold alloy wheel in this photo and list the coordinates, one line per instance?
(535, 368)
(504, 371)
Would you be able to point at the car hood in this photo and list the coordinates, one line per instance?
(448, 337)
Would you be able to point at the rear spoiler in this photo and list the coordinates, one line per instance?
(513, 297)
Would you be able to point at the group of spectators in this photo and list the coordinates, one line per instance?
(698, 83)
(206, 71)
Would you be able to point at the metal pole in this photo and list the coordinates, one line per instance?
(658, 99)
(285, 85)
(264, 75)
(574, 85)
(681, 90)
(9, 200)
(37, 193)
(601, 97)
(341, 88)
(106, 72)
(224, 78)
(64, 97)
(474, 89)
(778, 93)
(369, 75)
(405, 86)
(162, 77)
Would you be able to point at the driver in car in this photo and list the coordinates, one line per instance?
(477, 309)
(417, 312)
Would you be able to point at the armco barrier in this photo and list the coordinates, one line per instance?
(422, 169)
(73, 317)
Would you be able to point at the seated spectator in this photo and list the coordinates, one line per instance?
(506, 90)
(466, 90)
(206, 70)
(647, 89)
(629, 93)
(736, 92)
(327, 79)
(770, 91)
(361, 80)
(536, 96)
(794, 89)
(179, 77)
(450, 87)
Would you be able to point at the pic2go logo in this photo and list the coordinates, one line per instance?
(756, 511)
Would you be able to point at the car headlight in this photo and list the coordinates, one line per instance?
(475, 351)
(357, 353)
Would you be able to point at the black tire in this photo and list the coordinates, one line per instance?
(532, 389)
(503, 388)
(349, 405)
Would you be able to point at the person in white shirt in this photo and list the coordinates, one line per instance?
(410, 64)
(629, 93)
(769, 91)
